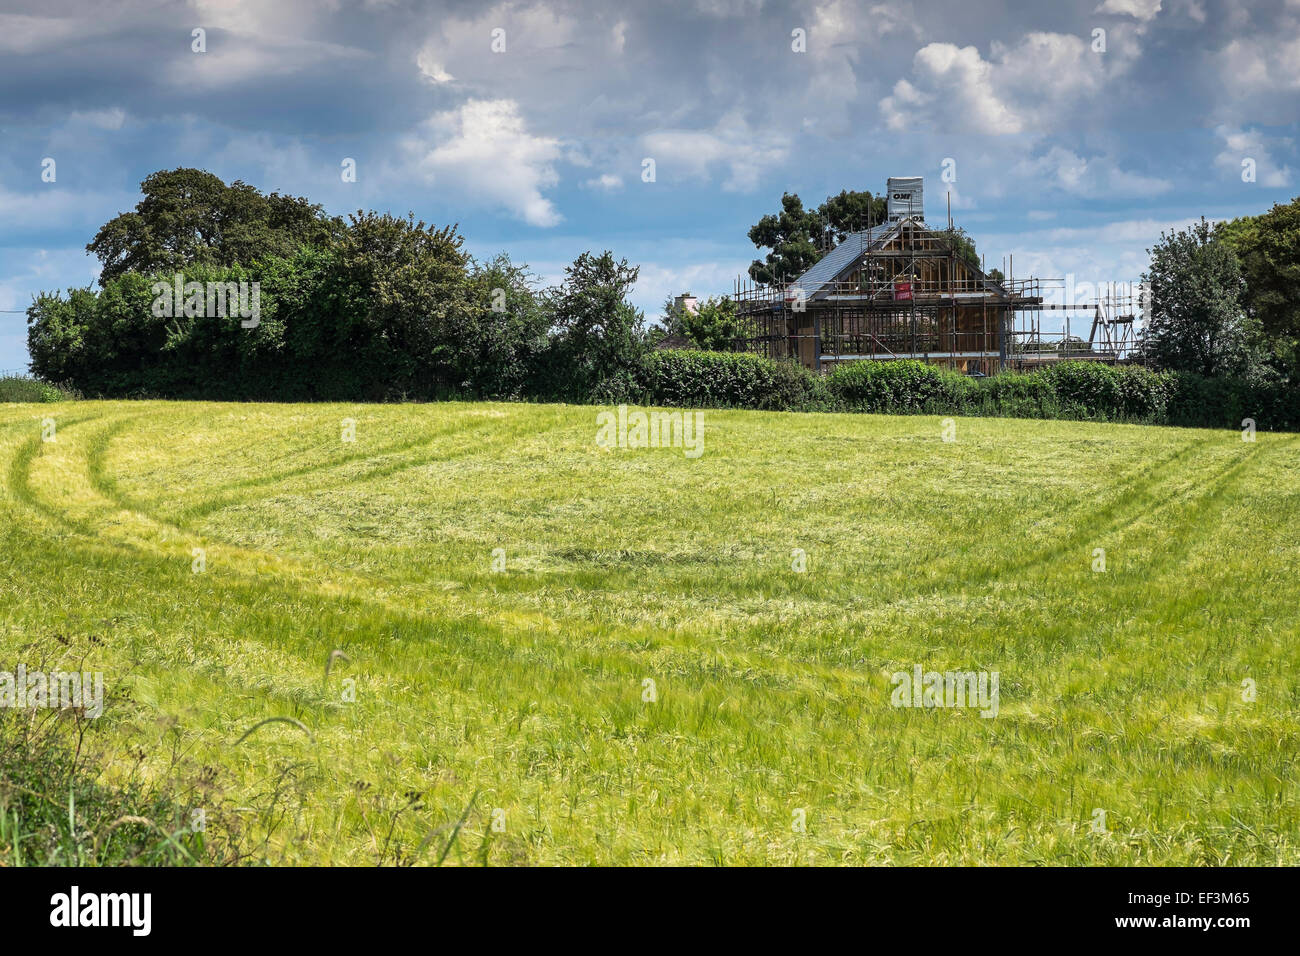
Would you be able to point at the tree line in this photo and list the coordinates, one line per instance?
(365, 307)
(380, 307)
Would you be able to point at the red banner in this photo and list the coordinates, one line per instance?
(902, 290)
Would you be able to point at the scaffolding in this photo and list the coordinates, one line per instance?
(1112, 334)
(905, 292)
(902, 290)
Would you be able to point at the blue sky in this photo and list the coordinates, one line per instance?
(1072, 149)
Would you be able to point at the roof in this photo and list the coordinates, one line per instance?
(829, 266)
(669, 342)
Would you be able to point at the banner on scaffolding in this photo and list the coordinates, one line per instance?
(902, 289)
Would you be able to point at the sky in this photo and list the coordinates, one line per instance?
(1068, 135)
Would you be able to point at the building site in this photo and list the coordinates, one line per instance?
(902, 288)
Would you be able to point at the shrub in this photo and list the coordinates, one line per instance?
(687, 378)
(1200, 401)
(905, 385)
(24, 388)
(1089, 386)
(1019, 395)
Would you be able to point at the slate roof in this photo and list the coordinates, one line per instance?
(829, 266)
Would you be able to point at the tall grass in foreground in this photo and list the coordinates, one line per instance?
(55, 811)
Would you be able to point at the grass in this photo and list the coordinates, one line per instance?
(484, 716)
(55, 812)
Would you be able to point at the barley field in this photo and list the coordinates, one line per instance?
(495, 641)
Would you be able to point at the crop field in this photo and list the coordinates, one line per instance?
(557, 652)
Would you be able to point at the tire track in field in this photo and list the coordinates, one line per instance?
(606, 648)
(1200, 516)
(1136, 492)
(252, 571)
(1152, 500)
(1143, 496)
(249, 570)
(19, 475)
(227, 495)
(1087, 515)
(239, 492)
(1134, 495)
(248, 565)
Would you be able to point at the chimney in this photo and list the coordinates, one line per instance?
(904, 198)
(686, 303)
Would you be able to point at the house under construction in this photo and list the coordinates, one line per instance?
(902, 289)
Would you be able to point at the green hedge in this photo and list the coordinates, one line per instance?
(905, 385)
(1068, 390)
(691, 379)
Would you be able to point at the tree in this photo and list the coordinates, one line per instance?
(418, 301)
(1268, 247)
(190, 217)
(963, 245)
(798, 237)
(56, 335)
(510, 337)
(850, 211)
(600, 338)
(1196, 321)
(790, 235)
(713, 326)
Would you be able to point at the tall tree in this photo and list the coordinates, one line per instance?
(1196, 321)
(1269, 249)
(599, 336)
(190, 217)
(798, 237)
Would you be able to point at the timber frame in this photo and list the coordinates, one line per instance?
(902, 290)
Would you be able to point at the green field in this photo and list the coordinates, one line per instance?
(521, 690)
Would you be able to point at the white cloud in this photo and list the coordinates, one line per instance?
(26, 34)
(49, 203)
(1247, 144)
(1141, 9)
(747, 153)
(606, 182)
(284, 18)
(1263, 63)
(100, 119)
(485, 149)
(255, 57)
(1091, 177)
(952, 82)
(431, 68)
(1037, 86)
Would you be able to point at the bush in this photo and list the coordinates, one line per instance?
(1019, 395)
(57, 808)
(691, 379)
(1200, 401)
(904, 385)
(24, 388)
(1110, 392)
